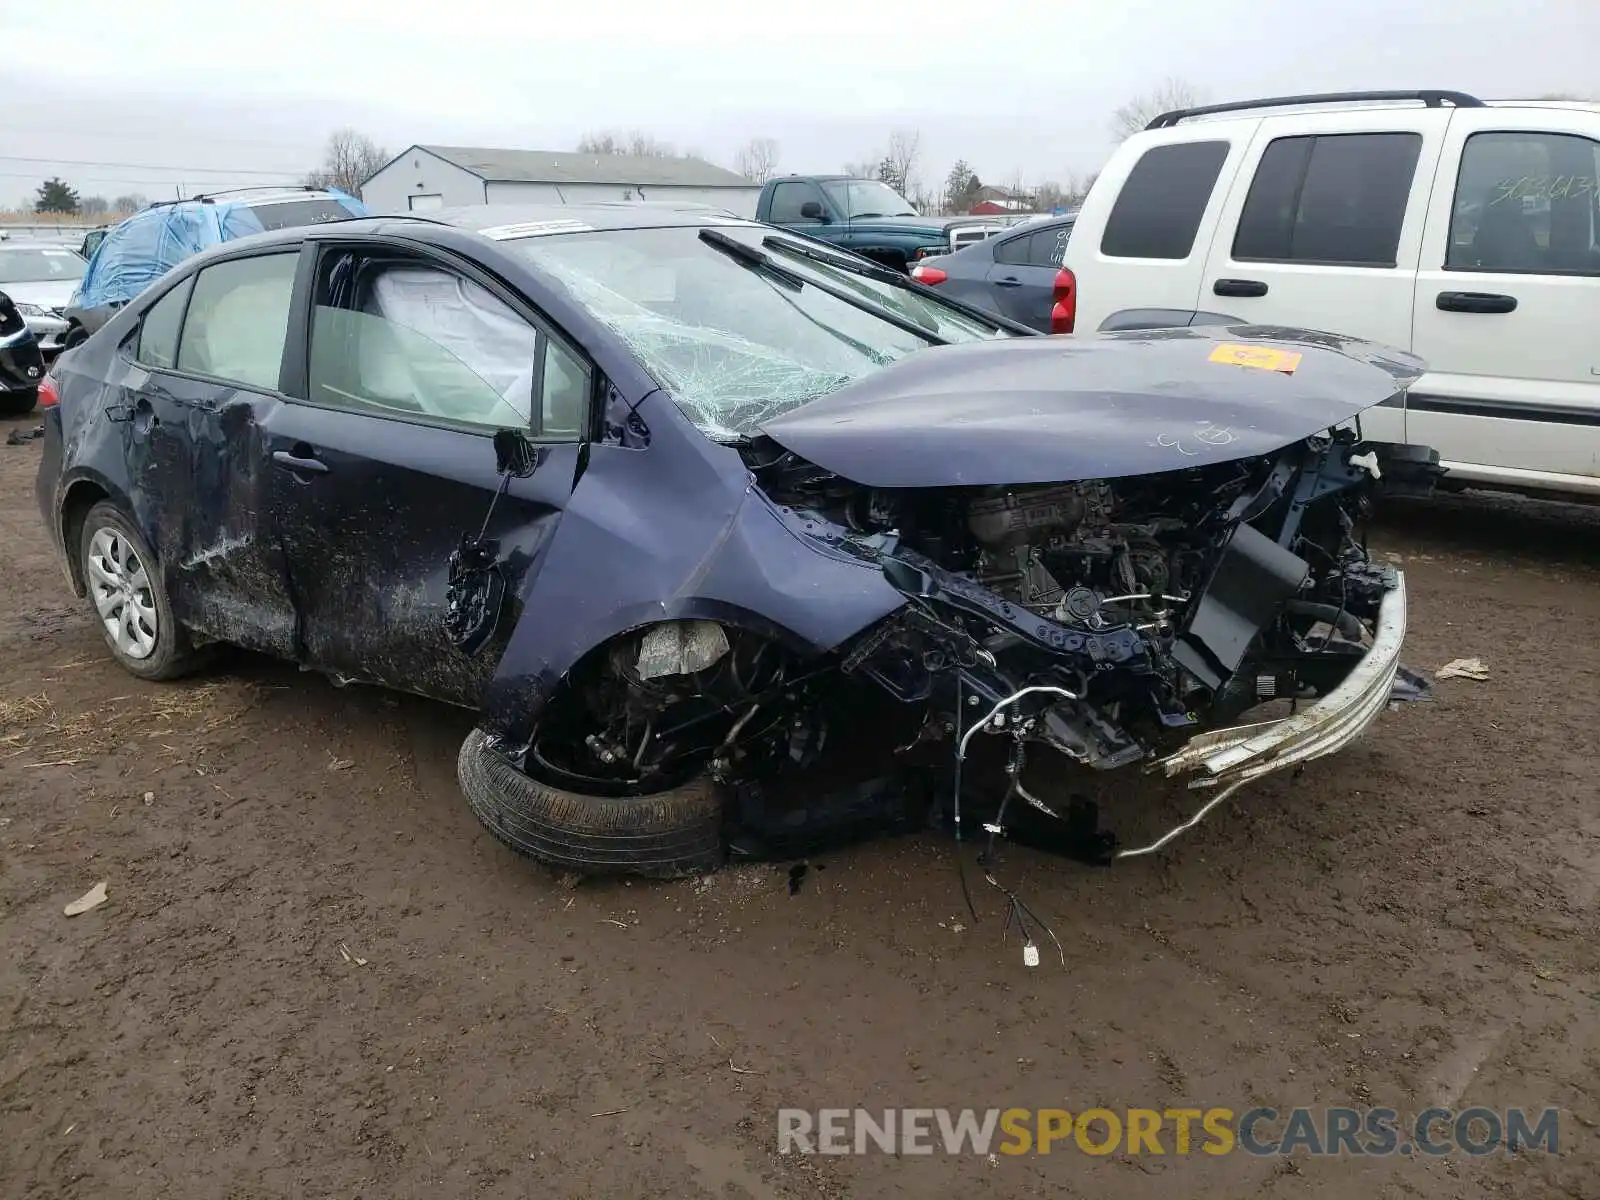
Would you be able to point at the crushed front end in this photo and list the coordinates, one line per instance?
(1133, 620)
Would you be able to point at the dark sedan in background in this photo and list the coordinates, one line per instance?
(1017, 274)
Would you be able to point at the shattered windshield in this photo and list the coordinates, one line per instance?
(736, 346)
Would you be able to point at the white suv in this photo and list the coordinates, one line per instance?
(1466, 232)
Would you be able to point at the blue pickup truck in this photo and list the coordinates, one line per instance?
(865, 216)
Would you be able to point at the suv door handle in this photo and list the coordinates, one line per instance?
(1476, 302)
(1239, 287)
(1008, 281)
(300, 465)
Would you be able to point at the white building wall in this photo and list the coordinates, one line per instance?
(741, 201)
(418, 181)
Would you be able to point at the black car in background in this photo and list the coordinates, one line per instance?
(1017, 274)
(21, 362)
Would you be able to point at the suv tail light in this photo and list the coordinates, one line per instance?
(923, 273)
(1064, 312)
(49, 397)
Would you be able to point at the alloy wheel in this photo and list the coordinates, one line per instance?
(120, 587)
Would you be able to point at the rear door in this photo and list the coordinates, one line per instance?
(197, 379)
(1508, 300)
(1323, 227)
(385, 458)
(1023, 278)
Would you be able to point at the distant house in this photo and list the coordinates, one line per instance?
(990, 201)
(429, 177)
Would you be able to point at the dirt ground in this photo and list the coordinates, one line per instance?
(318, 976)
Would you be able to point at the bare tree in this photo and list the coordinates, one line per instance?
(757, 160)
(635, 142)
(349, 160)
(1138, 112)
(861, 169)
(129, 204)
(901, 159)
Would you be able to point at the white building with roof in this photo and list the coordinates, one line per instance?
(429, 177)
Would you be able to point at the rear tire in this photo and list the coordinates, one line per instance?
(670, 834)
(75, 337)
(18, 404)
(123, 580)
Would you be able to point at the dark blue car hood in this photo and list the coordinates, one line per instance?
(1052, 409)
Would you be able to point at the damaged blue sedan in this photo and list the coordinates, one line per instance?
(686, 507)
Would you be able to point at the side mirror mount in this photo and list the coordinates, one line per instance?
(514, 454)
(811, 210)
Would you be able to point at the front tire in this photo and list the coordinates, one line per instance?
(18, 404)
(123, 580)
(670, 834)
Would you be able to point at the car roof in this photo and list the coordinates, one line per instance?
(499, 222)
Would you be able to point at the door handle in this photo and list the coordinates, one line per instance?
(1476, 302)
(1239, 287)
(1008, 281)
(299, 464)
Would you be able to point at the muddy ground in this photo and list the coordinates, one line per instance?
(317, 976)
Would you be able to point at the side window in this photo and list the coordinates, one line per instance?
(1013, 252)
(1526, 202)
(399, 338)
(1159, 209)
(1049, 246)
(238, 320)
(1333, 198)
(158, 331)
(787, 199)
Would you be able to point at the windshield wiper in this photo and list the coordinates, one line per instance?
(759, 261)
(864, 216)
(868, 269)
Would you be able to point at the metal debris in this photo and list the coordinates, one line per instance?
(1463, 668)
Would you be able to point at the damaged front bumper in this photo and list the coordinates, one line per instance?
(1245, 752)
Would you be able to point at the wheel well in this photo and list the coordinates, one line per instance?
(81, 497)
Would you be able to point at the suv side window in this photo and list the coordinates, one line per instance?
(400, 338)
(238, 320)
(1330, 198)
(1526, 202)
(158, 331)
(1159, 209)
(787, 198)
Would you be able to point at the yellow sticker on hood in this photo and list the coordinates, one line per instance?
(1263, 358)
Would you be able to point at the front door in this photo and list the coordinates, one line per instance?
(196, 380)
(1508, 301)
(388, 460)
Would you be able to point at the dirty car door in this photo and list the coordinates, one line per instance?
(389, 460)
(193, 385)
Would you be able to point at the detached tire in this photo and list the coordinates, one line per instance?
(662, 836)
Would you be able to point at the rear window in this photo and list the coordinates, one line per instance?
(1159, 209)
(1335, 198)
(292, 213)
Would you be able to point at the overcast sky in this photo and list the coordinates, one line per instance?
(215, 90)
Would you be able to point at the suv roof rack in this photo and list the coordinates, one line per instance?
(1433, 99)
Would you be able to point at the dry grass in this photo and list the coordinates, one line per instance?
(35, 727)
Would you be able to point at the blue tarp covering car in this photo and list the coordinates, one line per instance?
(150, 243)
